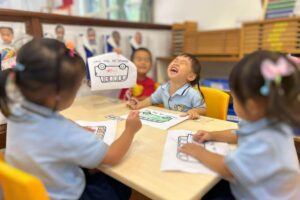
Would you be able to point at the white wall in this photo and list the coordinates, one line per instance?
(210, 14)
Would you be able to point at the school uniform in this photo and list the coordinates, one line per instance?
(54, 149)
(265, 164)
(184, 99)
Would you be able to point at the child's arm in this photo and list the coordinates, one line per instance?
(213, 161)
(219, 136)
(135, 104)
(195, 113)
(119, 147)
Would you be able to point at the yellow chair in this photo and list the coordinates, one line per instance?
(18, 185)
(216, 102)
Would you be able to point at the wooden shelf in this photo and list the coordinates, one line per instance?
(34, 21)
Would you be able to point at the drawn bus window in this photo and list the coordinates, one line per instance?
(99, 131)
(154, 117)
(183, 156)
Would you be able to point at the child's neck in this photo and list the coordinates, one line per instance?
(174, 86)
(141, 77)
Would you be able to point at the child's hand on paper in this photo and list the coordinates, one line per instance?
(88, 129)
(133, 122)
(202, 136)
(192, 113)
(191, 149)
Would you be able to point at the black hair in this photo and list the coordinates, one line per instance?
(196, 67)
(141, 49)
(283, 100)
(8, 28)
(90, 29)
(59, 26)
(48, 66)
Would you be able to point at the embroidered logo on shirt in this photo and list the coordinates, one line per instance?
(179, 107)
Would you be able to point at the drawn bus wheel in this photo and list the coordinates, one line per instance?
(101, 66)
(122, 66)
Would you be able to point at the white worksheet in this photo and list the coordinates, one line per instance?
(159, 119)
(104, 130)
(174, 160)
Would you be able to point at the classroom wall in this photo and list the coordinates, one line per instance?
(210, 14)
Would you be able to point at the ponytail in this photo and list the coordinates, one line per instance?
(3, 96)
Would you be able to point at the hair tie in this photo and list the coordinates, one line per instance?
(19, 67)
(71, 48)
(273, 72)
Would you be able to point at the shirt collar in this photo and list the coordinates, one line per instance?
(37, 109)
(181, 91)
(246, 127)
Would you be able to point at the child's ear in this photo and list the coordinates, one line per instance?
(255, 107)
(191, 77)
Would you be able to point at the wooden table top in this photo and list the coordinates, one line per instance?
(140, 168)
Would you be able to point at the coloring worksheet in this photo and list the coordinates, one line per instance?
(105, 130)
(111, 71)
(174, 160)
(159, 119)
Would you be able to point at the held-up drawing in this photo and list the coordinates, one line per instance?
(111, 71)
(174, 160)
(159, 119)
(105, 130)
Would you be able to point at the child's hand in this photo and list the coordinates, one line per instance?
(202, 136)
(192, 113)
(133, 122)
(117, 50)
(133, 103)
(191, 149)
(88, 129)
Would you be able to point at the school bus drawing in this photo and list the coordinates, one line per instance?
(155, 117)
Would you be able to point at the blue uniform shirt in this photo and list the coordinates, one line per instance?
(265, 164)
(184, 99)
(52, 148)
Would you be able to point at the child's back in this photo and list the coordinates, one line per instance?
(47, 145)
(265, 164)
(42, 142)
(266, 95)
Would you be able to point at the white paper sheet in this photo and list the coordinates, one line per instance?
(159, 119)
(105, 130)
(111, 71)
(173, 160)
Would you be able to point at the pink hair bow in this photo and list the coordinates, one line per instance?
(275, 71)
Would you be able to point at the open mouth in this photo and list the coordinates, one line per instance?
(174, 69)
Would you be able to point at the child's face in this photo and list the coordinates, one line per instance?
(138, 38)
(7, 36)
(142, 61)
(238, 107)
(60, 33)
(180, 69)
(252, 110)
(91, 35)
(67, 97)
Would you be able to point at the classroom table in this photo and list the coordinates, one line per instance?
(140, 168)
